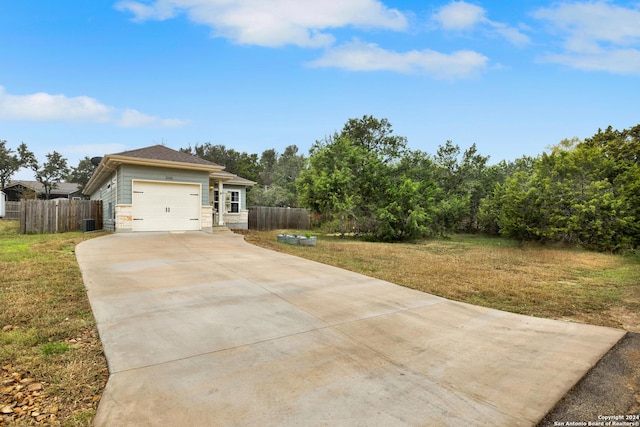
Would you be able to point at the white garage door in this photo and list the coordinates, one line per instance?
(161, 206)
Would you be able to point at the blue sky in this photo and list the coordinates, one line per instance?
(87, 78)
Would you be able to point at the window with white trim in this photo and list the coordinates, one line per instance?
(234, 199)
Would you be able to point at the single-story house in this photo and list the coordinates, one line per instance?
(159, 189)
(19, 189)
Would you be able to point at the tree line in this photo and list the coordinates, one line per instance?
(366, 181)
(275, 173)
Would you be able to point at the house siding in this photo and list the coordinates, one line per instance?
(127, 173)
(240, 220)
(108, 193)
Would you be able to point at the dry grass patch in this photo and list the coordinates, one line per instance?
(560, 283)
(49, 337)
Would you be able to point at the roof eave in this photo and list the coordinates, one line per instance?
(229, 178)
(244, 182)
(111, 162)
(117, 160)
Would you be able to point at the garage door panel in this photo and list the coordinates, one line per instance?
(159, 206)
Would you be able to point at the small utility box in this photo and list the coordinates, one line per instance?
(88, 225)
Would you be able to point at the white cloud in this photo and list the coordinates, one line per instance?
(42, 106)
(142, 12)
(512, 35)
(359, 56)
(463, 16)
(460, 16)
(589, 23)
(619, 61)
(596, 35)
(273, 23)
(131, 118)
(45, 107)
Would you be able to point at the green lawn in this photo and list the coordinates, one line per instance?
(49, 335)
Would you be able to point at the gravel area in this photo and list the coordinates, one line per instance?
(609, 393)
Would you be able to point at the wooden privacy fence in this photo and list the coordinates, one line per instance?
(267, 218)
(12, 210)
(59, 216)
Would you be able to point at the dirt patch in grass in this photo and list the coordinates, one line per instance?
(558, 283)
(48, 334)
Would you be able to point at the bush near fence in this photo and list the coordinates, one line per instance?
(264, 218)
(58, 216)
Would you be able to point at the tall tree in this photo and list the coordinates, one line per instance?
(453, 206)
(491, 208)
(81, 173)
(239, 163)
(11, 161)
(276, 180)
(268, 162)
(9, 164)
(27, 158)
(623, 147)
(51, 172)
(329, 186)
(357, 180)
(408, 209)
(477, 182)
(375, 136)
(288, 168)
(464, 179)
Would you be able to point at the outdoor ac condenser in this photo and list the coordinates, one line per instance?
(88, 225)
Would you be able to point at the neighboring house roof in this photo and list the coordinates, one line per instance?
(61, 187)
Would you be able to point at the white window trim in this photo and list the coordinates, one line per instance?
(231, 202)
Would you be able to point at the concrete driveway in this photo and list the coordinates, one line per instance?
(204, 329)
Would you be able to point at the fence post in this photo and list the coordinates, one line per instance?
(23, 218)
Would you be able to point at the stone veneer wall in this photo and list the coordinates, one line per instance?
(124, 218)
(237, 221)
(206, 218)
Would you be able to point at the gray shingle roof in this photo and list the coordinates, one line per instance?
(160, 152)
(61, 187)
(234, 179)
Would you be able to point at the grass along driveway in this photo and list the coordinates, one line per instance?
(52, 368)
(543, 281)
